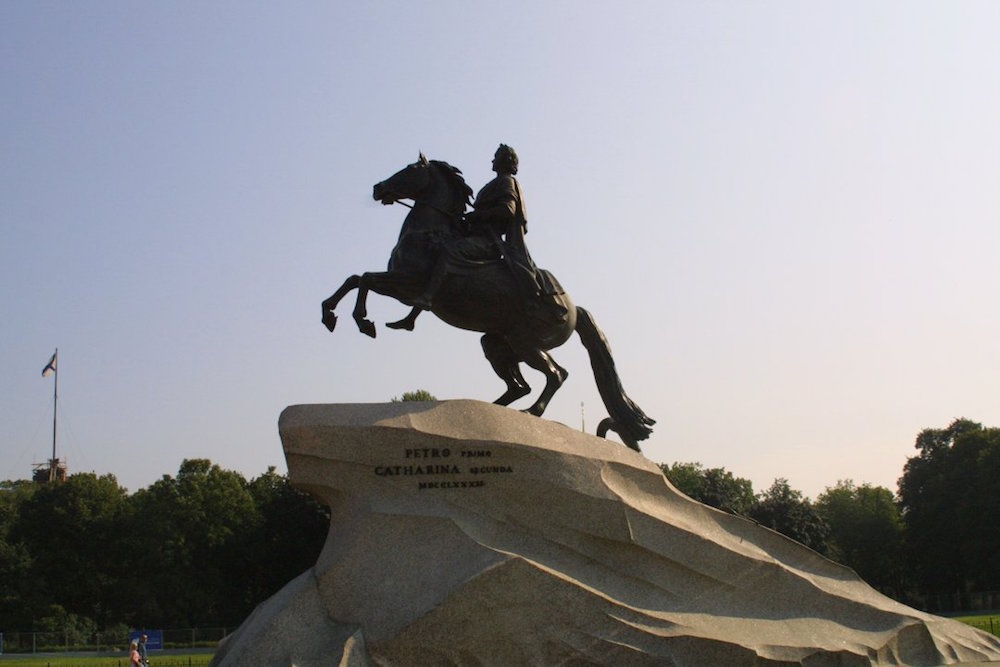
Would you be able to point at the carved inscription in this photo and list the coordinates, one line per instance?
(444, 468)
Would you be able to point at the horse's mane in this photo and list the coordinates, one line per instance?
(454, 177)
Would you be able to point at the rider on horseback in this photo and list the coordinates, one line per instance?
(497, 225)
(520, 310)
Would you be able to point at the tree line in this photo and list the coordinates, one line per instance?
(204, 547)
(201, 549)
(932, 544)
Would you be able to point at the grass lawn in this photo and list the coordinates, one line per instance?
(165, 660)
(989, 622)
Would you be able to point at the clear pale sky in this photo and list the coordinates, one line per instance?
(784, 216)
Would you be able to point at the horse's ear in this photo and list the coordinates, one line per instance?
(422, 160)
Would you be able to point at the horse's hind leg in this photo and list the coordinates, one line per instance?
(505, 362)
(555, 375)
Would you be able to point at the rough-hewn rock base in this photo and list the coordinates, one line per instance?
(468, 534)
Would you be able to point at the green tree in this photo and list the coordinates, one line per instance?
(418, 395)
(785, 510)
(196, 550)
(66, 628)
(191, 538)
(716, 487)
(15, 560)
(866, 532)
(288, 538)
(686, 477)
(952, 524)
(780, 508)
(12, 494)
(71, 532)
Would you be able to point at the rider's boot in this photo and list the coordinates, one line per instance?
(407, 323)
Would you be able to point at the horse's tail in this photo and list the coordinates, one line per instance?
(627, 419)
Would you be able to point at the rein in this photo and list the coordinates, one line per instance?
(453, 216)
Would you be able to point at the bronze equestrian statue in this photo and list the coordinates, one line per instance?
(474, 272)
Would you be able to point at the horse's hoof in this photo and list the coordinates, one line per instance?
(405, 324)
(535, 410)
(330, 321)
(512, 395)
(367, 327)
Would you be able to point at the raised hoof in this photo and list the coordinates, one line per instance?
(367, 327)
(329, 320)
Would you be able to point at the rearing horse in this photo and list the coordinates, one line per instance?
(485, 297)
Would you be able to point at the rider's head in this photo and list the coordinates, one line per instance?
(505, 160)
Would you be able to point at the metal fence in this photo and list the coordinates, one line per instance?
(59, 642)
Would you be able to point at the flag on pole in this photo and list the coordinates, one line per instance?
(50, 367)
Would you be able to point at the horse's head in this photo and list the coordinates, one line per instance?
(430, 182)
(407, 183)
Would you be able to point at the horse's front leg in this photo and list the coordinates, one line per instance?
(329, 304)
(390, 284)
(365, 326)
